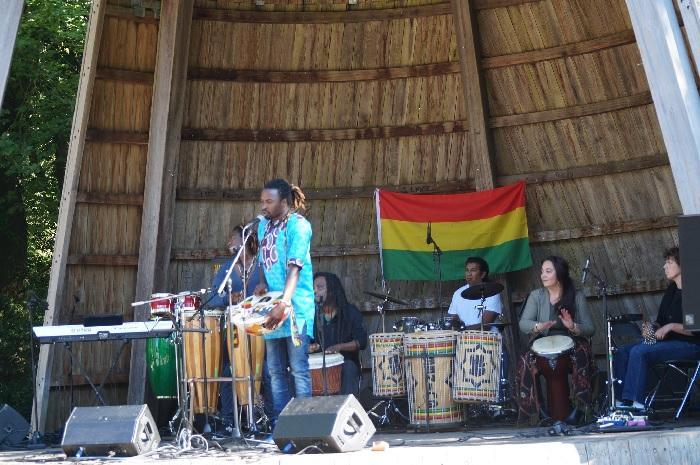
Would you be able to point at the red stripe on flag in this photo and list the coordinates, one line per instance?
(451, 207)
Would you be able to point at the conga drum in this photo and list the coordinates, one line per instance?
(388, 377)
(429, 363)
(554, 363)
(256, 349)
(161, 367)
(197, 358)
(477, 367)
(334, 373)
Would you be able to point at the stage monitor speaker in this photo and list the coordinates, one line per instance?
(689, 243)
(13, 427)
(120, 430)
(333, 424)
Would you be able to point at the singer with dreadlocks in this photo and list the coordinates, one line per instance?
(284, 254)
(342, 328)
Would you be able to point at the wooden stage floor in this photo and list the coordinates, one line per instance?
(669, 443)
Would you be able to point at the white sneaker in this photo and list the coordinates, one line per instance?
(622, 404)
(637, 406)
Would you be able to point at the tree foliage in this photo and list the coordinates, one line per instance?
(35, 124)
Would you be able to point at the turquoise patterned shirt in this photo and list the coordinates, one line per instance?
(283, 243)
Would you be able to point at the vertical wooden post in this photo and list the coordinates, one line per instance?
(474, 96)
(480, 146)
(672, 84)
(9, 23)
(170, 79)
(66, 211)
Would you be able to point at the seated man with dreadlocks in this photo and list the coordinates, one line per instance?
(342, 328)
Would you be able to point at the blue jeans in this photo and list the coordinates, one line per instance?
(281, 353)
(632, 363)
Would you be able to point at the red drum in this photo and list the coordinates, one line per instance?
(554, 363)
(190, 303)
(164, 306)
(334, 371)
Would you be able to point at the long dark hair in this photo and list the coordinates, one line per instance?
(252, 242)
(568, 291)
(335, 297)
(292, 194)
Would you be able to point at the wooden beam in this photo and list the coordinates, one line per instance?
(117, 137)
(479, 144)
(536, 237)
(123, 75)
(377, 74)
(490, 4)
(676, 98)
(327, 193)
(128, 13)
(372, 74)
(587, 171)
(320, 17)
(576, 111)
(638, 286)
(604, 229)
(561, 51)
(9, 24)
(103, 198)
(103, 260)
(591, 292)
(170, 79)
(57, 279)
(321, 135)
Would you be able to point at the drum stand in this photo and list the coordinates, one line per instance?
(388, 410)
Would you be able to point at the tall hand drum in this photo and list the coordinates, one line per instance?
(429, 359)
(160, 367)
(388, 377)
(239, 354)
(198, 357)
(477, 367)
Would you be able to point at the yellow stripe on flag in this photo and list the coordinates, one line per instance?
(459, 235)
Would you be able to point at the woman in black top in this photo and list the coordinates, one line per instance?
(632, 362)
(343, 331)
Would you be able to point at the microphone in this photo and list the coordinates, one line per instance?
(585, 270)
(428, 237)
(253, 223)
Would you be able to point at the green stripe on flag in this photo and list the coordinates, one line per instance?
(407, 265)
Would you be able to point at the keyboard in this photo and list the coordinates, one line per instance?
(80, 333)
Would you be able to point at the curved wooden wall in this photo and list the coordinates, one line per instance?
(343, 98)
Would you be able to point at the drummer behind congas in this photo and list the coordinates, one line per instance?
(556, 309)
(252, 270)
(476, 271)
(342, 328)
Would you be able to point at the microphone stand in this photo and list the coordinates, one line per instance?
(437, 260)
(322, 337)
(247, 351)
(226, 283)
(35, 436)
(603, 291)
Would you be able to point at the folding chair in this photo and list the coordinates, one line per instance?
(684, 367)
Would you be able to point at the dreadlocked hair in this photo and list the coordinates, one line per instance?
(335, 297)
(292, 194)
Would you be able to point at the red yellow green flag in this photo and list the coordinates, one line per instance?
(489, 224)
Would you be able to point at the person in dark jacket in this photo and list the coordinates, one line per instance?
(342, 329)
(669, 342)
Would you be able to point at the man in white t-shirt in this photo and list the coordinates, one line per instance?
(476, 270)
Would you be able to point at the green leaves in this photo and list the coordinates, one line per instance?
(35, 124)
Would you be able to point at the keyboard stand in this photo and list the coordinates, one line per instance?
(75, 362)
